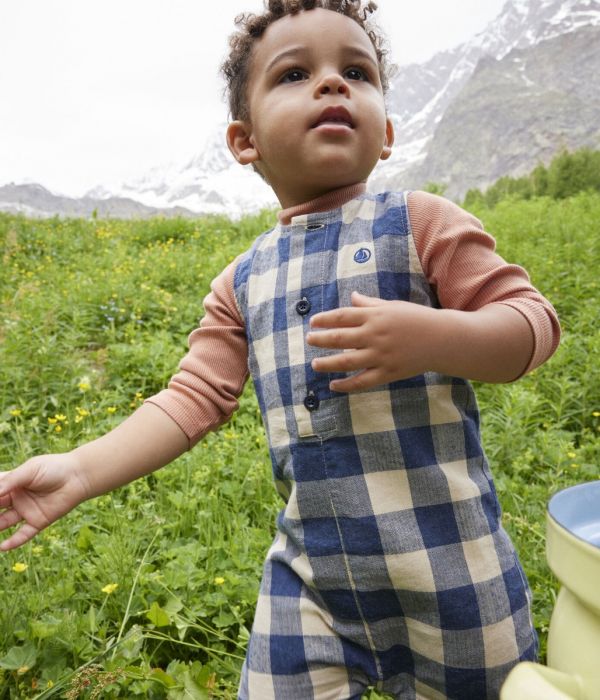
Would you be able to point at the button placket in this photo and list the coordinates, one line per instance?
(313, 277)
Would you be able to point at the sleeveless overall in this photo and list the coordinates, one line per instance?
(390, 566)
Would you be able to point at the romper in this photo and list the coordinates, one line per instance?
(389, 566)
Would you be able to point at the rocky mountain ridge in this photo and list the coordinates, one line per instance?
(515, 113)
(34, 200)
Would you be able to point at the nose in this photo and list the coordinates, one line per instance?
(333, 83)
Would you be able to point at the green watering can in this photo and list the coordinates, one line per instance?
(573, 553)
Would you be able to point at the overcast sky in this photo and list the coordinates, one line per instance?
(99, 91)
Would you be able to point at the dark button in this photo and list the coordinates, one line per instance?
(303, 306)
(311, 402)
(314, 227)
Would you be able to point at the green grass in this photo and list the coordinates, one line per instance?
(94, 317)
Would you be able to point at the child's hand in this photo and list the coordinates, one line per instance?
(386, 340)
(37, 493)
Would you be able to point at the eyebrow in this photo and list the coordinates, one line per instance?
(299, 50)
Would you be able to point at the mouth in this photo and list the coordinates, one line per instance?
(337, 116)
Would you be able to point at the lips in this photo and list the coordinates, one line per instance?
(334, 115)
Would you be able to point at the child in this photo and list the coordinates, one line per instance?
(360, 319)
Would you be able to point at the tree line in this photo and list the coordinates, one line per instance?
(566, 175)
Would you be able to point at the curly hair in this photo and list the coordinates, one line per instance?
(236, 68)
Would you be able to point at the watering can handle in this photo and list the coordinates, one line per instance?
(529, 681)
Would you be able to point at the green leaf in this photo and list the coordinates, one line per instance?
(201, 674)
(42, 629)
(158, 615)
(193, 690)
(159, 675)
(173, 605)
(132, 644)
(19, 657)
(92, 619)
(84, 538)
(224, 619)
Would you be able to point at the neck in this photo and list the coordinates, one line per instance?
(326, 202)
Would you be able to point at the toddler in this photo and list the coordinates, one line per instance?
(361, 319)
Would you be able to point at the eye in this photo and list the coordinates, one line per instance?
(356, 74)
(294, 75)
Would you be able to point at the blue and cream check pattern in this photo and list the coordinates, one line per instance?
(389, 566)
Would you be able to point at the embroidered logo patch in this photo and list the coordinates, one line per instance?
(362, 255)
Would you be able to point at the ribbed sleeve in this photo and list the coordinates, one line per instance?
(203, 394)
(459, 260)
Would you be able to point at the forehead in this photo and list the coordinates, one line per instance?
(317, 29)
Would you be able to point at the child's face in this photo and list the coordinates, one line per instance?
(317, 113)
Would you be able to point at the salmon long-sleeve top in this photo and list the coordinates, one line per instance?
(457, 256)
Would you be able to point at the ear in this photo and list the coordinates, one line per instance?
(241, 143)
(386, 152)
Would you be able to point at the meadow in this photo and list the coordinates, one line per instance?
(149, 591)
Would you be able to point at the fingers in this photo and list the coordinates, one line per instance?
(346, 317)
(359, 299)
(17, 478)
(357, 382)
(342, 362)
(345, 339)
(9, 518)
(23, 534)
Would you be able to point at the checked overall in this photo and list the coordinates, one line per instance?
(389, 566)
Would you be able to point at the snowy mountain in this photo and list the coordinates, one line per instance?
(514, 113)
(513, 95)
(33, 200)
(422, 93)
(212, 182)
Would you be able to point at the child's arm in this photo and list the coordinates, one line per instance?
(493, 325)
(47, 487)
(392, 340)
(201, 397)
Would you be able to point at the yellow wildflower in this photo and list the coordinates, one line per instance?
(37, 549)
(219, 580)
(52, 421)
(16, 412)
(571, 455)
(111, 409)
(19, 567)
(84, 385)
(110, 588)
(82, 412)
(596, 414)
(58, 429)
(60, 416)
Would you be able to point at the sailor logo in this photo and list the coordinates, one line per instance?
(362, 255)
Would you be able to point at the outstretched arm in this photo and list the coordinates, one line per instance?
(47, 487)
(201, 396)
(385, 341)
